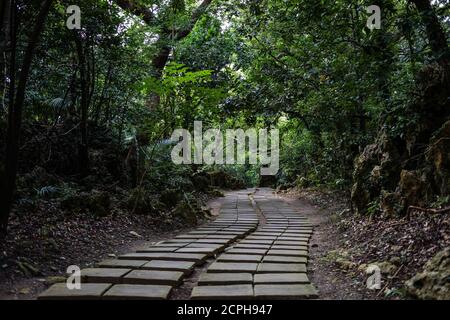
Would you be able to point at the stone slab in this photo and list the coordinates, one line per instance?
(213, 241)
(103, 275)
(232, 267)
(285, 291)
(291, 243)
(137, 292)
(88, 291)
(207, 251)
(245, 241)
(281, 278)
(252, 246)
(190, 236)
(225, 278)
(292, 253)
(182, 266)
(285, 259)
(176, 241)
(158, 249)
(281, 268)
(238, 291)
(239, 258)
(196, 257)
(261, 238)
(216, 247)
(293, 238)
(247, 251)
(127, 264)
(283, 247)
(171, 278)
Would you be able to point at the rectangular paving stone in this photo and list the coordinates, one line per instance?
(171, 278)
(293, 238)
(245, 241)
(232, 267)
(103, 275)
(251, 246)
(214, 241)
(280, 278)
(157, 249)
(182, 241)
(291, 243)
(195, 232)
(283, 247)
(285, 291)
(190, 236)
(281, 268)
(137, 292)
(298, 233)
(225, 279)
(141, 256)
(171, 244)
(237, 291)
(88, 291)
(196, 257)
(267, 233)
(209, 251)
(220, 236)
(239, 258)
(261, 238)
(182, 266)
(116, 263)
(216, 247)
(247, 251)
(285, 259)
(293, 253)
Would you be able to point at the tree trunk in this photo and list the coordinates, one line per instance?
(5, 12)
(435, 33)
(16, 101)
(83, 152)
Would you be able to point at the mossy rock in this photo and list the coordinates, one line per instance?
(201, 182)
(190, 209)
(141, 201)
(170, 197)
(96, 202)
(433, 282)
(100, 203)
(216, 193)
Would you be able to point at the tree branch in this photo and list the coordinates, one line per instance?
(137, 9)
(180, 34)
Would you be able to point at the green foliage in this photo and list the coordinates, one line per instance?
(308, 68)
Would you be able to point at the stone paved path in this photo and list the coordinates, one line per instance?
(259, 248)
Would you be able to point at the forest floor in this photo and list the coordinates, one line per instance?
(331, 282)
(344, 245)
(40, 246)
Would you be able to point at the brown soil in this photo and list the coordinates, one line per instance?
(331, 282)
(30, 260)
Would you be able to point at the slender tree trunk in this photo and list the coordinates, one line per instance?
(101, 100)
(16, 101)
(83, 151)
(5, 13)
